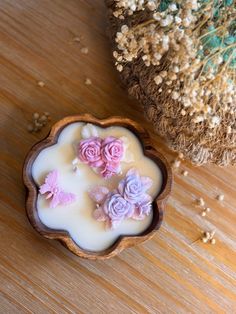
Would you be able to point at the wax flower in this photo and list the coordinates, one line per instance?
(102, 154)
(129, 200)
(55, 192)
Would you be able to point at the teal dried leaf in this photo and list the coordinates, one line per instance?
(216, 13)
(204, 1)
(228, 2)
(232, 64)
(210, 65)
(228, 54)
(200, 54)
(212, 41)
(164, 5)
(211, 28)
(229, 40)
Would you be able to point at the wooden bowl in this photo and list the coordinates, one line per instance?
(63, 236)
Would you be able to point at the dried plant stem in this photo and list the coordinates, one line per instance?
(143, 24)
(213, 31)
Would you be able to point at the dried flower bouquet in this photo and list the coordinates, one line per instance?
(179, 59)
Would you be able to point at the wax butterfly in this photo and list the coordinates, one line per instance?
(54, 191)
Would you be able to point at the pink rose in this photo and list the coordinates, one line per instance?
(89, 151)
(102, 154)
(112, 150)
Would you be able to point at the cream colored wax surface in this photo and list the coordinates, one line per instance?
(77, 218)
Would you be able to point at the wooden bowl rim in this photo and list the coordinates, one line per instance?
(123, 241)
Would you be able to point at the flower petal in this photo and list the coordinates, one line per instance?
(131, 172)
(137, 216)
(131, 211)
(112, 166)
(66, 198)
(98, 193)
(125, 140)
(107, 174)
(52, 179)
(108, 139)
(143, 208)
(128, 157)
(55, 201)
(108, 224)
(44, 188)
(146, 198)
(121, 187)
(75, 161)
(115, 223)
(96, 164)
(89, 130)
(99, 214)
(147, 182)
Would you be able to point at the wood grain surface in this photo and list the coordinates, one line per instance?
(167, 274)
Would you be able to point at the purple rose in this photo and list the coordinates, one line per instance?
(112, 150)
(117, 208)
(89, 151)
(130, 200)
(133, 186)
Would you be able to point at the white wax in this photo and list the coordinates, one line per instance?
(77, 218)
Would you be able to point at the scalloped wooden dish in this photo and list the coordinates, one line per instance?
(123, 241)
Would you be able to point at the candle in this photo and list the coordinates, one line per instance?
(77, 217)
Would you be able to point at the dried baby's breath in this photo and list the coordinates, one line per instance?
(185, 173)
(38, 121)
(84, 50)
(76, 39)
(41, 84)
(30, 127)
(200, 202)
(35, 115)
(88, 81)
(208, 236)
(220, 197)
(213, 241)
(205, 211)
(195, 48)
(176, 163)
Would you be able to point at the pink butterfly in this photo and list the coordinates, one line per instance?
(57, 195)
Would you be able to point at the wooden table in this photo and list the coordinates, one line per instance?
(38, 42)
